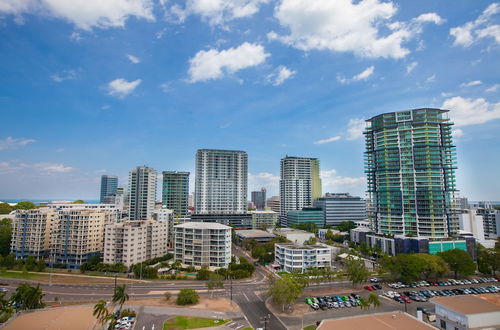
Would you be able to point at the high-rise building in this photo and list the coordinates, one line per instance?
(410, 166)
(175, 194)
(109, 184)
(341, 207)
(141, 193)
(259, 199)
(273, 203)
(221, 181)
(491, 219)
(300, 183)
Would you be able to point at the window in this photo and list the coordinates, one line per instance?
(443, 324)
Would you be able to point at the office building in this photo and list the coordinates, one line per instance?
(300, 183)
(273, 204)
(175, 194)
(467, 312)
(221, 181)
(203, 244)
(341, 207)
(295, 257)
(141, 193)
(306, 216)
(264, 219)
(259, 199)
(132, 242)
(462, 203)
(109, 184)
(77, 235)
(378, 321)
(410, 166)
(235, 220)
(31, 233)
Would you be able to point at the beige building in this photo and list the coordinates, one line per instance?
(31, 230)
(78, 234)
(264, 219)
(132, 242)
(380, 321)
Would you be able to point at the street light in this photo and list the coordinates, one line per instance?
(265, 320)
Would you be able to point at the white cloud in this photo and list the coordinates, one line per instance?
(348, 26)
(43, 167)
(332, 139)
(361, 76)
(65, 75)
(217, 12)
(264, 179)
(457, 133)
(431, 79)
(160, 33)
(75, 36)
(121, 87)
(471, 32)
(471, 83)
(85, 14)
(53, 168)
(410, 67)
(13, 143)
(355, 128)
(133, 59)
(215, 64)
(465, 111)
(493, 88)
(278, 76)
(166, 87)
(335, 183)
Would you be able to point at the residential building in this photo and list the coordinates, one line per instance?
(295, 257)
(260, 236)
(31, 231)
(467, 312)
(259, 199)
(175, 194)
(166, 216)
(410, 166)
(300, 183)
(109, 184)
(378, 321)
(221, 181)
(66, 206)
(264, 219)
(141, 193)
(235, 220)
(462, 203)
(77, 235)
(341, 207)
(203, 244)
(491, 219)
(305, 216)
(294, 235)
(132, 242)
(274, 203)
(322, 233)
(120, 199)
(470, 221)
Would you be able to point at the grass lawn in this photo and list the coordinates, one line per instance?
(182, 322)
(20, 275)
(310, 327)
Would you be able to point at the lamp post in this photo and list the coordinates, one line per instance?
(265, 320)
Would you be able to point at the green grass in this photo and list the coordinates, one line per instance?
(22, 276)
(310, 327)
(182, 322)
(247, 328)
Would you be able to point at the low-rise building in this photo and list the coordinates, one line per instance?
(290, 257)
(264, 219)
(379, 321)
(306, 216)
(235, 220)
(203, 244)
(341, 207)
(293, 235)
(112, 208)
(467, 312)
(132, 242)
(273, 203)
(260, 236)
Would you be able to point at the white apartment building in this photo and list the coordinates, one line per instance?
(31, 232)
(141, 193)
(472, 222)
(300, 183)
(112, 208)
(264, 219)
(203, 244)
(132, 242)
(296, 236)
(290, 256)
(221, 181)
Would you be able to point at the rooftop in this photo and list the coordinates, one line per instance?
(202, 225)
(294, 246)
(254, 234)
(382, 321)
(283, 231)
(264, 212)
(470, 304)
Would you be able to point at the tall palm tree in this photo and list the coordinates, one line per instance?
(111, 318)
(100, 311)
(120, 296)
(363, 303)
(373, 299)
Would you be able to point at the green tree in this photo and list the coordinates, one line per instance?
(5, 236)
(203, 274)
(167, 295)
(329, 235)
(40, 265)
(111, 318)
(459, 261)
(5, 208)
(405, 267)
(346, 226)
(311, 241)
(79, 201)
(433, 266)
(25, 205)
(356, 270)
(214, 282)
(363, 303)
(373, 299)
(9, 261)
(187, 297)
(120, 296)
(285, 290)
(100, 311)
(30, 263)
(28, 297)
(488, 260)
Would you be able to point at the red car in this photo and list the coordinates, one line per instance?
(368, 287)
(406, 299)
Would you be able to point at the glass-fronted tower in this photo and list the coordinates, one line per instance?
(175, 194)
(141, 193)
(109, 184)
(410, 165)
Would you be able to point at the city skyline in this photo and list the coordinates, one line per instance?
(106, 91)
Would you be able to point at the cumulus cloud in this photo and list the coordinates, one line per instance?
(121, 87)
(42, 167)
(264, 179)
(361, 76)
(469, 33)
(215, 64)
(216, 12)
(348, 26)
(133, 59)
(471, 83)
(65, 75)
(278, 76)
(468, 111)
(332, 139)
(410, 67)
(13, 143)
(85, 14)
(355, 128)
(333, 182)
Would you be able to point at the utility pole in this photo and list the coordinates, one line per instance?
(140, 277)
(115, 282)
(231, 280)
(265, 320)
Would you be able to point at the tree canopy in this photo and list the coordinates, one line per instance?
(356, 270)
(346, 226)
(285, 290)
(459, 261)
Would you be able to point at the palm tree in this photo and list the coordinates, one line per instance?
(374, 300)
(120, 296)
(111, 318)
(100, 311)
(363, 304)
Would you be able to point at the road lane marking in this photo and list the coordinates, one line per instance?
(246, 296)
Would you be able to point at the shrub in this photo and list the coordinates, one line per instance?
(127, 313)
(203, 274)
(167, 295)
(187, 297)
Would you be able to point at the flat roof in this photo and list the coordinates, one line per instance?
(390, 112)
(382, 321)
(470, 304)
(291, 231)
(295, 246)
(264, 212)
(202, 225)
(254, 233)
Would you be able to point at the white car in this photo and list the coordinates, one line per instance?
(374, 280)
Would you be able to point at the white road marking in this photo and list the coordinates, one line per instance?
(246, 296)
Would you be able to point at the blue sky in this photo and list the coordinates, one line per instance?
(90, 87)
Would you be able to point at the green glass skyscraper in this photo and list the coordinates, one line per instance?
(410, 165)
(175, 194)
